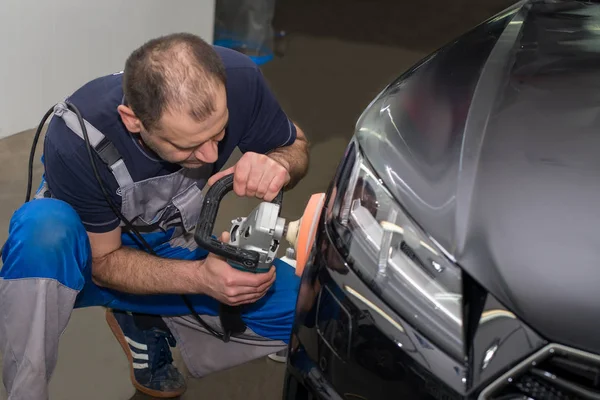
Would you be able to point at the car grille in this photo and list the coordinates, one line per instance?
(558, 373)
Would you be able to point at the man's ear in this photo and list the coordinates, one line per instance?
(132, 123)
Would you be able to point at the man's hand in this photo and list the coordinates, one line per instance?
(256, 175)
(231, 286)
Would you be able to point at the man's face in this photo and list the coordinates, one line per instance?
(182, 140)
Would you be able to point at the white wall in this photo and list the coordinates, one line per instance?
(49, 48)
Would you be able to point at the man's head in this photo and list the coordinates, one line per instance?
(175, 98)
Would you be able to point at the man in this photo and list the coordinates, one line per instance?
(161, 130)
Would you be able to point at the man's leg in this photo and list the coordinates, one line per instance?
(269, 323)
(44, 259)
(271, 317)
(46, 273)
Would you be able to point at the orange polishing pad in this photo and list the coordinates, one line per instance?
(308, 229)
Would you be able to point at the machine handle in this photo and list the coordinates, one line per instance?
(206, 223)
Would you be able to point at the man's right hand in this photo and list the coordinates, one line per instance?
(231, 286)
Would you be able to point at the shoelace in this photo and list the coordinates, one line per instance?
(162, 352)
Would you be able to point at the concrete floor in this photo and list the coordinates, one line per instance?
(323, 83)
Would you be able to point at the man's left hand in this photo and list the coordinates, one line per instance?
(256, 175)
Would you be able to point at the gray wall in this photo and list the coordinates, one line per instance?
(49, 48)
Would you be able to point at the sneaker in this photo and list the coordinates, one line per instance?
(280, 356)
(149, 355)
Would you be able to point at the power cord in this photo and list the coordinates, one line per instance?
(31, 158)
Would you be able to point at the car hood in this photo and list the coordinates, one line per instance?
(494, 150)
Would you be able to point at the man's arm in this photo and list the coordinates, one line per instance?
(134, 271)
(118, 268)
(294, 158)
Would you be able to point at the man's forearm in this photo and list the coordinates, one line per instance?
(294, 158)
(133, 271)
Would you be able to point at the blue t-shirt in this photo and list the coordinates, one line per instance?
(257, 123)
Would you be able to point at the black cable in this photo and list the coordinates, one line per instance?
(127, 223)
(32, 152)
(31, 158)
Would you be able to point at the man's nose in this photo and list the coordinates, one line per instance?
(207, 153)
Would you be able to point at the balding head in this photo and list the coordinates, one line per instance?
(177, 73)
(175, 99)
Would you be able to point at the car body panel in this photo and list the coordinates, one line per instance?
(534, 215)
(502, 168)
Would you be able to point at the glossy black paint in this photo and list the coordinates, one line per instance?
(501, 340)
(491, 146)
(531, 235)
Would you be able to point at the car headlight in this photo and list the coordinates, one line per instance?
(395, 257)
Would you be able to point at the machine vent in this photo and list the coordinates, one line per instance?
(558, 373)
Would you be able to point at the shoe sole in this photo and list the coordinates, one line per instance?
(278, 359)
(116, 330)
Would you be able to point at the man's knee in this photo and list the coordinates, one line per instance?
(46, 240)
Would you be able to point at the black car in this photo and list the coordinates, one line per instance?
(458, 253)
